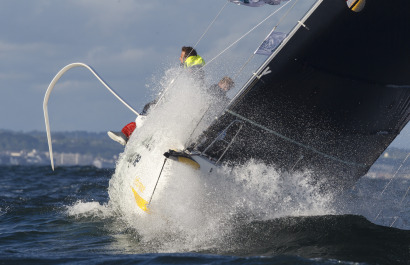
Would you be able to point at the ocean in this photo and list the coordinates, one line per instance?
(63, 217)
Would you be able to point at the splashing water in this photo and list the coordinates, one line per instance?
(191, 210)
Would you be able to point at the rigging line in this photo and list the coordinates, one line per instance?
(210, 25)
(395, 173)
(405, 195)
(247, 33)
(299, 159)
(281, 19)
(286, 14)
(389, 184)
(207, 29)
(295, 142)
(230, 144)
(241, 69)
(395, 219)
(196, 127)
(274, 28)
(160, 173)
(378, 215)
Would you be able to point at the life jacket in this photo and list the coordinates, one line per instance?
(194, 61)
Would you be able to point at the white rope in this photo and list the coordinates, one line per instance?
(377, 216)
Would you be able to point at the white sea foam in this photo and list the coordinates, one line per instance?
(89, 209)
(188, 209)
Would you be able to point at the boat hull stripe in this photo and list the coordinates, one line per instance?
(140, 201)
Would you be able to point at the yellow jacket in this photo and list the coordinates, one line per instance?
(194, 61)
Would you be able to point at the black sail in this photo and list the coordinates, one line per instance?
(331, 100)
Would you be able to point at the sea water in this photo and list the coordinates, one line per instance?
(247, 214)
(64, 217)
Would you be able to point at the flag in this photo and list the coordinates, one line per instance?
(271, 42)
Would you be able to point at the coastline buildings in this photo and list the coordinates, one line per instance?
(71, 149)
(35, 157)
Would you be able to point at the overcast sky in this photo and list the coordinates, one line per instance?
(130, 43)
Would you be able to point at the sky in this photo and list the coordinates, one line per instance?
(130, 44)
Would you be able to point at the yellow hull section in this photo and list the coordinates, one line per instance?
(140, 201)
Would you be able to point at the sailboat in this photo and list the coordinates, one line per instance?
(330, 97)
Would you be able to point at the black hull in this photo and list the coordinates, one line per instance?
(336, 96)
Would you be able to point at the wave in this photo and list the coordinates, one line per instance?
(342, 237)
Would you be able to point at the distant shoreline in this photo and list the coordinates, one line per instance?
(69, 148)
(80, 148)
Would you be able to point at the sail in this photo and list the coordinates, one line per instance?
(330, 99)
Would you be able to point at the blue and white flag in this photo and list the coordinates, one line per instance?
(256, 3)
(271, 42)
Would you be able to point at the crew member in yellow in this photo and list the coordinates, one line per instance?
(192, 61)
(190, 58)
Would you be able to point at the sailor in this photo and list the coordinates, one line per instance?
(191, 61)
(219, 102)
(219, 98)
(219, 90)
